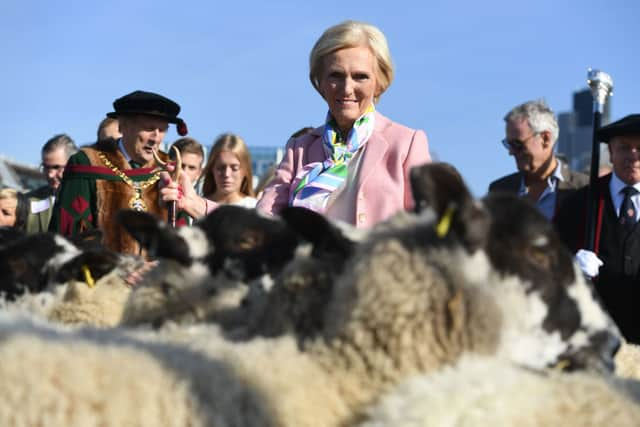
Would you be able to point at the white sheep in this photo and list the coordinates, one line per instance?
(410, 301)
(627, 361)
(408, 305)
(56, 377)
(76, 302)
(101, 304)
(486, 391)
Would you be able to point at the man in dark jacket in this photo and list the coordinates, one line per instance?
(617, 236)
(531, 134)
(55, 154)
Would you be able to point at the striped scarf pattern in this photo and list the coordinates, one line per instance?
(318, 180)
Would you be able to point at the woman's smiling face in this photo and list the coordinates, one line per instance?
(348, 83)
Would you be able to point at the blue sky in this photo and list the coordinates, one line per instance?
(242, 66)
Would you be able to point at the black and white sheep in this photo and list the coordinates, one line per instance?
(410, 301)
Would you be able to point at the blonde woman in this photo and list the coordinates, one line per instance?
(355, 167)
(227, 180)
(13, 209)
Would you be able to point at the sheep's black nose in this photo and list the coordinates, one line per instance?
(607, 345)
(597, 356)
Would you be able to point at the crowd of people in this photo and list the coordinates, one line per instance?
(354, 168)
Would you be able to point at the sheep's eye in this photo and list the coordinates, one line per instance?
(539, 257)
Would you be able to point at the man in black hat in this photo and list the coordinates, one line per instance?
(119, 174)
(614, 263)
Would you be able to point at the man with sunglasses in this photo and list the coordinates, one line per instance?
(531, 134)
(55, 154)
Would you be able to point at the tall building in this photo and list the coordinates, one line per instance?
(576, 132)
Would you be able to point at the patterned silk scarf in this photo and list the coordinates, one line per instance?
(320, 179)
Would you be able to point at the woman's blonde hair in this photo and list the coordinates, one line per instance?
(236, 145)
(22, 206)
(8, 193)
(353, 34)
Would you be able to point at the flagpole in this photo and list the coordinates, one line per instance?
(601, 85)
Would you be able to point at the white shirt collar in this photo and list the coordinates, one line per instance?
(552, 181)
(616, 185)
(557, 172)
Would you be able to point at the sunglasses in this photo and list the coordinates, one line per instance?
(516, 144)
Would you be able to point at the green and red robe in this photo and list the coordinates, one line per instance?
(92, 193)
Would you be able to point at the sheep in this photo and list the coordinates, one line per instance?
(99, 305)
(193, 284)
(409, 301)
(502, 242)
(32, 263)
(56, 377)
(66, 282)
(627, 361)
(27, 264)
(487, 391)
(206, 268)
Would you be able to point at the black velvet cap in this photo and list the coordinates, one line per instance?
(149, 104)
(629, 125)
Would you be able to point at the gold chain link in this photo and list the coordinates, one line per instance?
(136, 202)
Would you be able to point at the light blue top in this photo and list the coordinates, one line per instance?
(546, 203)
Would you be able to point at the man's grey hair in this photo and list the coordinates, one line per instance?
(60, 141)
(538, 115)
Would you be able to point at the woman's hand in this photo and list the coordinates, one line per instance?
(185, 196)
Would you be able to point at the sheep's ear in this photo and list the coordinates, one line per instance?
(325, 236)
(95, 263)
(153, 235)
(263, 244)
(440, 187)
(436, 186)
(241, 230)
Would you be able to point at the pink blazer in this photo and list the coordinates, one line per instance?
(383, 182)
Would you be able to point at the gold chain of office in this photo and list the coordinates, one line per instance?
(136, 202)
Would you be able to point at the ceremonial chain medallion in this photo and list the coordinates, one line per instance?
(136, 202)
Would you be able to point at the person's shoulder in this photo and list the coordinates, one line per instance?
(79, 158)
(108, 145)
(306, 139)
(578, 178)
(574, 178)
(575, 199)
(385, 124)
(38, 193)
(508, 182)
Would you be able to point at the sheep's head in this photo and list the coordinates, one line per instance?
(551, 314)
(231, 246)
(32, 263)
(566, 325)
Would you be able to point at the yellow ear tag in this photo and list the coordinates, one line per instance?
(87, 276)
(442, 228)
(561, 365)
